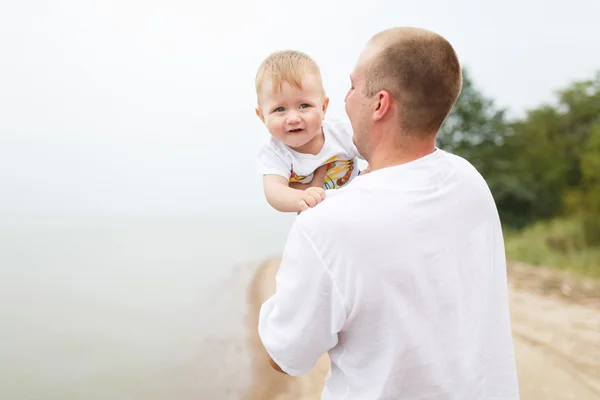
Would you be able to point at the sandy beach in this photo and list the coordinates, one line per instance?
(556, 327)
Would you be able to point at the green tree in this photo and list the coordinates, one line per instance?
(549, 143)
(580, 104)
(479, 131)
(540, 166)
(540, 160)
(590, 188)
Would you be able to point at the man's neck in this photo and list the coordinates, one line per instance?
(401, 152)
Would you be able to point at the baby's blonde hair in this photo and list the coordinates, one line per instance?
(289, 66)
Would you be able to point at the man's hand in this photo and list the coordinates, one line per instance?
(310, 198)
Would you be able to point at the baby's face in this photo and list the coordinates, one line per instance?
(292, 115)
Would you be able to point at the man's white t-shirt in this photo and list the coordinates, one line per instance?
(401, 278)
(338, 152)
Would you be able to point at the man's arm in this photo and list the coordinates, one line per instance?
(301, 321)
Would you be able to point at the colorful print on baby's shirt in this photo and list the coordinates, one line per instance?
(339, 172)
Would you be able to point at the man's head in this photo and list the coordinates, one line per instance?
(405, 83)
(291, 99)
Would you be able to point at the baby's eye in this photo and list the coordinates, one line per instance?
(279, 109)
(304, 105)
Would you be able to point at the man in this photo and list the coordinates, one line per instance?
(401, 276)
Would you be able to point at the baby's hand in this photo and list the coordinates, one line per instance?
(310, 198)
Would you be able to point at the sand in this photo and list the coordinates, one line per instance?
(556, 331)
(269, 384)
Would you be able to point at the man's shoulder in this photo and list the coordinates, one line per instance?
(459, 161)
(334, 212)
(471, 181)
(466, 168)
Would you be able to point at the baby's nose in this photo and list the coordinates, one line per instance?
(293, 118)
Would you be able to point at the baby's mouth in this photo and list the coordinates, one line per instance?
(295, 130)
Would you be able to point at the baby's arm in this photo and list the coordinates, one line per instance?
(284, 198)
(294, 197)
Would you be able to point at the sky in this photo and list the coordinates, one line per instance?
(147, 107)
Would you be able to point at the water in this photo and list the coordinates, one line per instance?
(128, 308)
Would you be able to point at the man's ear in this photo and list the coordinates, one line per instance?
(325, 104)
(259, 114)
(383, 105)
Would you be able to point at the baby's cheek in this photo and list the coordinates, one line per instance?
(316, 118)
(274, 124)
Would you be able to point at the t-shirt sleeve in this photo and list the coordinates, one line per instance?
(271, 161)
(343, 128)
(301, 321)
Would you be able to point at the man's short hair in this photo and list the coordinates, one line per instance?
(421, 71)
(289, 66)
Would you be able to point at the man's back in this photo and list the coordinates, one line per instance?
(422, 276)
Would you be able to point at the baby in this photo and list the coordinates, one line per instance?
(292, 105)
